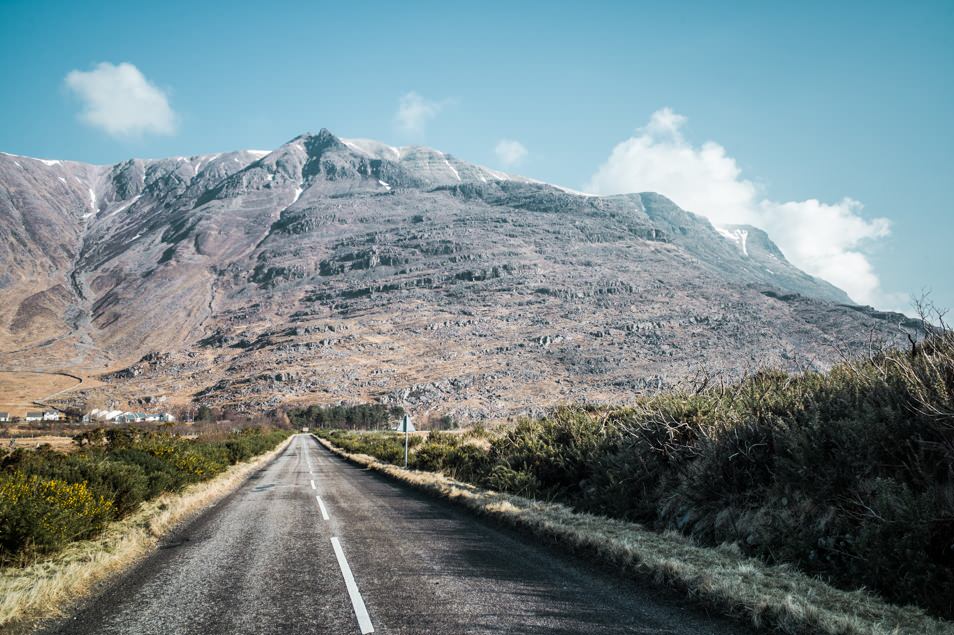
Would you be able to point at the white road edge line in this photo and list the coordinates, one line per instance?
(360, 611)
(313, 484)
(321, 506)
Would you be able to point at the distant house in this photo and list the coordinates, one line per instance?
(53, 415)
(130, 417)
(104, 415)
(4, 417)
(34, 416)
(119, 416)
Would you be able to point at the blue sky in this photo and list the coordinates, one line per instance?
(765, 107)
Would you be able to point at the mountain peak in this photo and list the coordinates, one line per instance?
(329, 257)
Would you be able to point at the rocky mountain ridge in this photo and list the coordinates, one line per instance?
(336, 269)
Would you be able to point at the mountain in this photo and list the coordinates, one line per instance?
(340, 270)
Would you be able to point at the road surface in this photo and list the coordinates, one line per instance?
(313, 544)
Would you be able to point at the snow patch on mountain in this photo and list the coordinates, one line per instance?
(738, 237)
(374, 149)
(124, 206)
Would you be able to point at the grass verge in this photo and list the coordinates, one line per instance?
(48, 588)
(775, 597)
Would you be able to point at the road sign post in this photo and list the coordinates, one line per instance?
(406, 424)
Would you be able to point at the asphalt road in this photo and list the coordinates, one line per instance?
(266, 560)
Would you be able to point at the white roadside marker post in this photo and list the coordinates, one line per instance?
(406, 424)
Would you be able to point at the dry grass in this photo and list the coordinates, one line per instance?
(773, 597)
(55, 441)
(19, 390)
(46, 589)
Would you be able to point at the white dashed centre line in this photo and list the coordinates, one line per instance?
(360, 611)
(321, 506)
(313, 484)
(308, 458)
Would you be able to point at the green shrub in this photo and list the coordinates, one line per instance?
(387, 446)
(848, 474)
(39, 515)
(48, 498)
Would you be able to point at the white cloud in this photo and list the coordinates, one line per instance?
(415, 111)
(121, 101)
(510, 152)
(827, 240)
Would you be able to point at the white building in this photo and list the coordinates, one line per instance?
(104, 415)
(120, 416)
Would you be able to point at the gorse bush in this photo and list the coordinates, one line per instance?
(847, 474)
(39, 513)
(48, 498)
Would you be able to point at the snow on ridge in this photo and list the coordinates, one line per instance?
(737, 236)
(92, 199)
(355, 147)
(448, 164)
(22, 156)
(499, 176)
(567, 190)
(205, 160)
(124, 205)
(375, 149)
